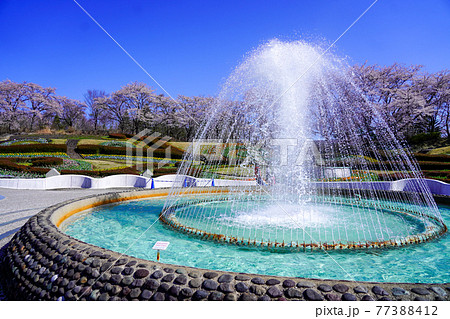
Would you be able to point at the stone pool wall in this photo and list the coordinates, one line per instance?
(43, 263)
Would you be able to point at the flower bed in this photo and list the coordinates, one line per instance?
(25, 142)
(131, 158)
(31, 155)
(33, 148)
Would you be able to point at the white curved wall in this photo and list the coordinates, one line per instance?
(126, 181)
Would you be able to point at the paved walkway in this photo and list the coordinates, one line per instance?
(19, 205)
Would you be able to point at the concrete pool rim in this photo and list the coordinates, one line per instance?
(43, 263)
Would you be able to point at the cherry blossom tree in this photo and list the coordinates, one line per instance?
(95, 110)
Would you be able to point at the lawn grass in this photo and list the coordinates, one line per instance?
(440, 151)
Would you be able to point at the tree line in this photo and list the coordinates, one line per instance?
(412, 101)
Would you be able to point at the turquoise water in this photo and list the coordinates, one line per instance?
(120, 227)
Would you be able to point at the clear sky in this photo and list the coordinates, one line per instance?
(190, 47)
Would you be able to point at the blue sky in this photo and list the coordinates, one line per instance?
(190, 47)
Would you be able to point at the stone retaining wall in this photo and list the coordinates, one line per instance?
(42, 263)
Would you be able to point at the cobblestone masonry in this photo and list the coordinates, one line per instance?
(42, 263)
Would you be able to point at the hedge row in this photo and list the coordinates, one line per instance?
(46, 161)
(432, 158)
(10, 165)
(126, 170)
(34, 148)
(176, 153)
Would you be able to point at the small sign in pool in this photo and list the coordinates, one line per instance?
(160, 245)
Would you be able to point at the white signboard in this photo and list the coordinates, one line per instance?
(161, 245)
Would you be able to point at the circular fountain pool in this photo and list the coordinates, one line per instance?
(132, 228)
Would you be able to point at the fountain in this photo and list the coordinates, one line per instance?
(299, 147)
(287, 162)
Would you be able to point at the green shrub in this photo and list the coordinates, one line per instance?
(47, 161)
(432, 158)
(176, 153)
(34, 148)
(117, 135)
(127, 170)
(424, 138)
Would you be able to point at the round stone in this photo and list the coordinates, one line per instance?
(311, 294)
(230, 297)
(340, 288)
(274, 292)
(157, 274)
(367, 298)
(126, 291)
(140, 273)
(199, 295)
(377, 290)
(158, 296)
(186, 293)
(242, 277)
(293, 293)
(226, 287)
(146, 294)
(131, 263)
(360, 290)
(216, 296)
(195, 283)
(397, 291)
(194, 274)
(264, 298)
(324, 288)
(385, 299)
(247, 297)
(420, 291)
(180, 280)
(105, 266)
(126, 281)
(169, 270)
(304, 284)
(116, 290)
(103, 297)
(272, 282)
(137, 283)
(121, 261)
(349, 297)
(210, 275)
(181, 271)
(168, 278)
(288, 283)
(439, 291)
(210, 284)
(420, 299)
(258, 281)
(332, 297)
(174, 291)
(225, 278)
(151, 284)
(257, 290)
(241, 287)
(127, 271)
(164, 287)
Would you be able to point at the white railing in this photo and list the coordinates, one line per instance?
(127, 181)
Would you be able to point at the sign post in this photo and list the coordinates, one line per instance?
(160, 245)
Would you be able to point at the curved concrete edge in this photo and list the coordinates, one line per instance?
(43, 263)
